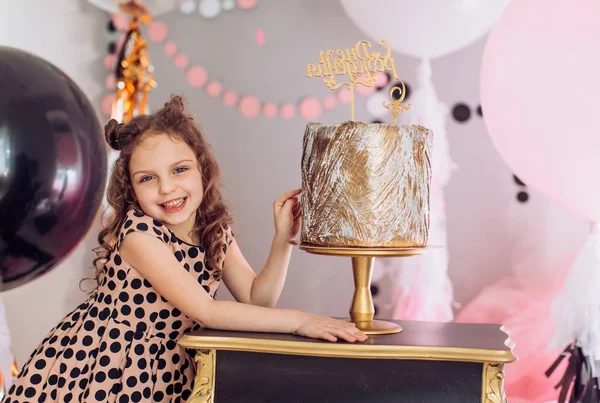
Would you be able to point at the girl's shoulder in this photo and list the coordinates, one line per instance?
(137, 221)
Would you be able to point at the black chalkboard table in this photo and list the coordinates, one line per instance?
(426, 362)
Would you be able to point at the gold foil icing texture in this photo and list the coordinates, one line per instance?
(366, 185)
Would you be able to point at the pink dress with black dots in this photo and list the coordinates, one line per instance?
(121, 344)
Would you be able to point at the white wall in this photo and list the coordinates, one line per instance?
(67, 33)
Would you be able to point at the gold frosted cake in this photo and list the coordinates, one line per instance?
(365, 185)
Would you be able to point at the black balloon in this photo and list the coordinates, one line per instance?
(52, 166)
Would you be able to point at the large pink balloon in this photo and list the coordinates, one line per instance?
(540, 94)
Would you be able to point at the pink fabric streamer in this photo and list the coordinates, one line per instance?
(526, 313)
(543, 240)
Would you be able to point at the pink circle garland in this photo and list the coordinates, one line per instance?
(170, 48)
(214, 89)
(260, 36)
(249, 106)
(287, 111)
(229, 98)
(343, 95)
(309, 108)
(269, 110)
(196, 76)
(110, 82)
(364, 90)
(120, 22)
(157, 31)
(121, 42)
(330, 102)
(246, 4)
(110, 61)
(181, 61)
(107, 103)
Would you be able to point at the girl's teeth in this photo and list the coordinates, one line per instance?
(173, 204)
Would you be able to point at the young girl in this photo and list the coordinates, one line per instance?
(164, 252)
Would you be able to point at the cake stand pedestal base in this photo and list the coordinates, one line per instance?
(362, 310)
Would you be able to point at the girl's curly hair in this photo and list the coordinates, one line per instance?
(212, 217)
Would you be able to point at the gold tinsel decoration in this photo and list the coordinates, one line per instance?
(134, 71)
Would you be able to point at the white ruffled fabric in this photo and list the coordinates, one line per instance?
(423, 290)
(576, 311)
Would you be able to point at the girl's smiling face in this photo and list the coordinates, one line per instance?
(167, 181)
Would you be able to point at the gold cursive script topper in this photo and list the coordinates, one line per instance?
(359, 64)
(396, 105)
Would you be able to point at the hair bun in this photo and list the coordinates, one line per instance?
(176, 103)
(111, 133)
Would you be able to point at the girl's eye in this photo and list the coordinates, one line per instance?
(145, 178)
(180, 170)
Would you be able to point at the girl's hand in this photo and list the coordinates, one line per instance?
(287, 216)
(323, 327)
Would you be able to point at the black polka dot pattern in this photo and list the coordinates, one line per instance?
(121, 344)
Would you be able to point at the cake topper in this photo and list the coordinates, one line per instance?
(358, 63)
(396, 105)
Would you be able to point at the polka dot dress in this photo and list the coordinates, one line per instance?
(121, 344)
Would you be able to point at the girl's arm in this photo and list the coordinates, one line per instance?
(265, 288)
(155, 261)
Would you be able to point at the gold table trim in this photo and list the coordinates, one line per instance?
(347, 350)
(204, 382)
(492, 389)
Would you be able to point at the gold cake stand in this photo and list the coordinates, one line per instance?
(362, 309)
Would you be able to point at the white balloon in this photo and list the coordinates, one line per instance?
(425, 28)
(188, 6)
(228, 5)
(155, 7)
(209, 8)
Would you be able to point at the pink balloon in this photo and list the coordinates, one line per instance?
(214, 89)
(170, 48)
(157, 31)
(539, 94)
(196, 76)
(249, 106)
(269, 110)
(287, 111)
(310, 108)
